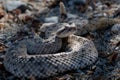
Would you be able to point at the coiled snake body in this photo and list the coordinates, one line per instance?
(80, 53)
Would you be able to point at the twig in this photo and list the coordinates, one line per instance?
(63, 12)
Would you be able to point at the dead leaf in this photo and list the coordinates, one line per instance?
(28, 18)
(113, 57)
(16, 11)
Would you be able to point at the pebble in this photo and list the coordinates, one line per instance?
(11, 5)
(99, 15)
(53, 19)
(71, 15)
(2, 36)
(116, 28)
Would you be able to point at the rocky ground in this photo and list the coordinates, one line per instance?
(98, 21)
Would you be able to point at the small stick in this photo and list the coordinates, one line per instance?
(63, 12)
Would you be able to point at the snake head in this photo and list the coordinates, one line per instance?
(66, 31)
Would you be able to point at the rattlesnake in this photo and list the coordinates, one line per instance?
(80, 53)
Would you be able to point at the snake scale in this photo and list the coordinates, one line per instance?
(80, 53)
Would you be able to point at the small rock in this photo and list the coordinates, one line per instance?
(53, 19)
(100, 15)
(71, 15)
(2, 36)
(12, 4)
(116, 28)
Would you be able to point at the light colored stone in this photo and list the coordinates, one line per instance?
(53, 19)
(12, 4)
(116, 28)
